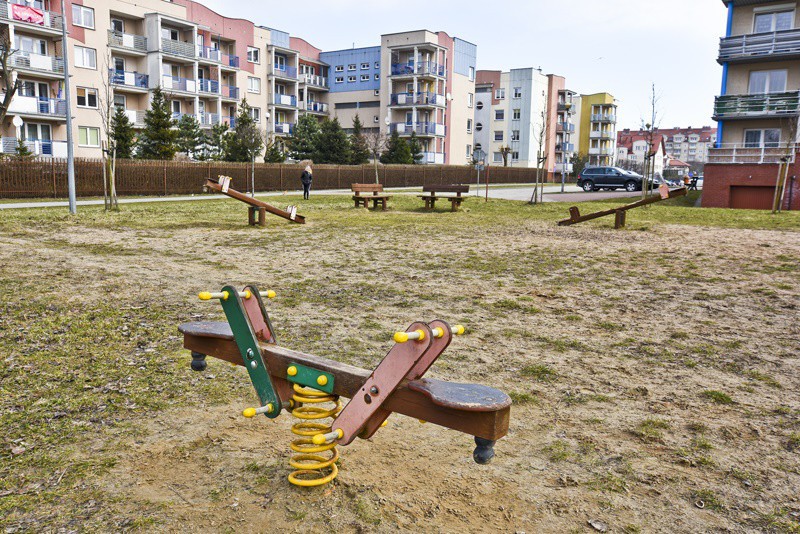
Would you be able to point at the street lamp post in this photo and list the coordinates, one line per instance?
(70, 150)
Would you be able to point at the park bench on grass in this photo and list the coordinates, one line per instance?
(431, 198)
(377, 197)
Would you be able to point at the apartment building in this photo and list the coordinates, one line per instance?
(596, 129)
(686, 144)
(758, 107)
(641, 146)
(566, 131)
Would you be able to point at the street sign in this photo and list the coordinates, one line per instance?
(480, 167)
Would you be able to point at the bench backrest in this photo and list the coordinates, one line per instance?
(367, 188)
(445, 189)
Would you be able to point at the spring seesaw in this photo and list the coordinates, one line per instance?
(309, 387)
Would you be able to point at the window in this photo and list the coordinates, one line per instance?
(88, 136)
(515, 114)
(255, 113)
(515, 135)
(31, 45)
(515, 156)
(767, 81)
(351, 66)
(351, 78)
(469, 151)
(498, 135)
(469, 125)
(770, 22)
(365, 66)
(253, 54)
(518, 92)
(85, 57)
(499, 94)
(340, 79)
(377, 76)
(120, 102)
(472, 74)
(377, 64)
(470, 99)
(478, 127)
(365, 77)
(117, 25)
(479, 105)
(83, 16)
(119, 64)
(87, 98)
(253, 85)
(175, 105)
(769, 138)
(499, 114)
(339, 68)
(497, 157)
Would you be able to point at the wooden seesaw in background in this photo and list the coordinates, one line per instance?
(309, 386)
(222, 185)
(619, 213)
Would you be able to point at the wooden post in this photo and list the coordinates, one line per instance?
(165, 177)
(280, 182)
(619, 219)
(363, 178)
(338, 177)
(53, 174)
(262, 217)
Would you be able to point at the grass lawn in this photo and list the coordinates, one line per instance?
(654, 369)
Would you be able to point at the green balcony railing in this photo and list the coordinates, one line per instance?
(755, 106)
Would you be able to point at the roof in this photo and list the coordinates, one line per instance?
(626, 139)
(677, 163)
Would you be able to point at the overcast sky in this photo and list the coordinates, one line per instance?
(619, 46)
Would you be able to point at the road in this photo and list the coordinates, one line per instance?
(553, 194)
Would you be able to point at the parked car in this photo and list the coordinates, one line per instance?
(595, 178)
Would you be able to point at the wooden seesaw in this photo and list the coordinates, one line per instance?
(309, 386)
(620, 212)
(222, 185)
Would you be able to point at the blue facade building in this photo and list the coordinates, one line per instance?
(356, 69)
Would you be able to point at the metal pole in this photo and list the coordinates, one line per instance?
(73, 207)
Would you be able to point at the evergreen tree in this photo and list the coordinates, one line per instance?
(215, 142)
(246, 142)
(274, 154)
(302, 143)
(415, 149)
(157, 140)
(22, 152)
(190, 136)
(359, 154)
(333, 145)
(397, 151)
(122, 136)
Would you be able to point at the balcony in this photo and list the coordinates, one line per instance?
(207, 120)
(565, 147)
(565, 106)
(760, 46)
(128, 42)
(32, 19)
(418, 99)
(284, 128)
(284, 100)
(421, 68)
(757, 106)
(230, 61)
(745, 155)
(37, 107)
(50, 66)
(229, 91)
(175, 83)
(425, 129)
(136, 117)
(55, 149)
(601, 151)
(178, 48)
(563, 168)
(285, 71)
(131, 80)
(208, 86)
(230, 121)
(600, 134)
(316, 81)
(316, 107)
(604, 117)
(565, 127)
(209, 54)
(433, 158)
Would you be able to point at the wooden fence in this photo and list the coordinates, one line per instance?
(44, 178)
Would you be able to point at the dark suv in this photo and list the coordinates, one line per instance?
(594, 178)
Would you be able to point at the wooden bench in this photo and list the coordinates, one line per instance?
(432, 190)
(377, 197)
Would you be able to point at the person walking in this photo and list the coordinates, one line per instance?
(306, 178)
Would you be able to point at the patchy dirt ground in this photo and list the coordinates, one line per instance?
(654, 371)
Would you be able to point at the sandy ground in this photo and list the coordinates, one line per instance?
(634, 327)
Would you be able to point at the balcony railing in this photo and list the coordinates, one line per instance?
(175, 83)
(754, 106)
(178, 48)
(284, 100)
(229, 91)
(127, 40)
(418, 99)
(285, 71)
(759, 45)
(600, 134)
(743, 154)
(57, 149)
(317, 107)
(128, 79)
(601, 151)
(231, 121)
(230, 61)
(433, 158)
(312, 79)
(29, 15)
(421, 128)
(284, 128)
(211, 54)
(604, 117)
(136, 117)
(208, 86)
(565, 127)
(421, 68)
(208, 119)
(34, 105)
(565, 147)
(563, 168)
(29, 60)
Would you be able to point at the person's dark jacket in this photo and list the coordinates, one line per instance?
(305, 178)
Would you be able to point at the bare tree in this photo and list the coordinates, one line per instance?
(541, 159)
(783, 168)
(106, 109)
(505, 151)
(650, 129)
(376, 143)
(8, 76)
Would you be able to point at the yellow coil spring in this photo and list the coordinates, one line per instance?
(309, 464)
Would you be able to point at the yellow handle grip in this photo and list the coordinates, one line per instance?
(251, 412)
(402, 337)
